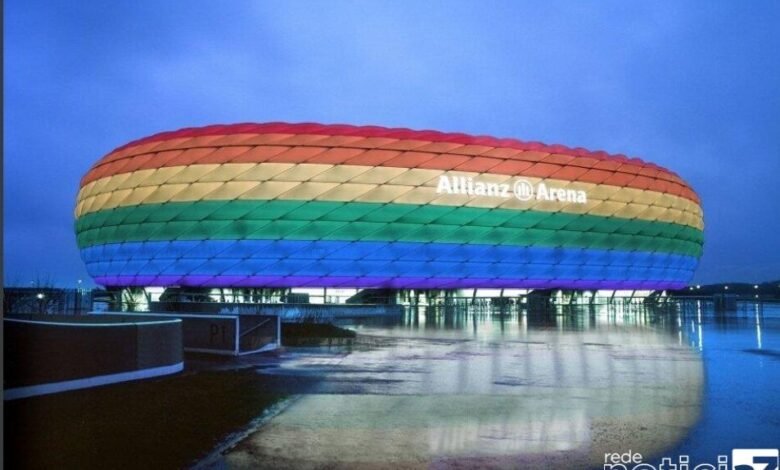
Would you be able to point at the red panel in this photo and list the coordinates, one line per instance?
(550, 157)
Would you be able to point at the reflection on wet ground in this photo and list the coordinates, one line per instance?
(457, 390)
(440, 389)
(740, 351)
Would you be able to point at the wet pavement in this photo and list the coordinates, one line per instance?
(439, 389)
(467, 390)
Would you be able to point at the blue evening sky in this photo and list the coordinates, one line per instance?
(691, 85)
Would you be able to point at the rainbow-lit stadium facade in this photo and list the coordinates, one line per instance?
(310, 205)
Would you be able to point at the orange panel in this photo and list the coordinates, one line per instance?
(642, 182)
(325, 144)
(297, 154)
(444, 161)
(190, 156)
(409, 159)
(227, 154)
(471, 150)
(595, 176)
(560, 159)
(534, 156)
(336, 155)
(543, 170)
(439, 147)
(478, 164)
(502, 153)
(372, 157)
(259, 154)
(610, 165)
(569, 173)
(619, 179)
(404, 144)
(512, 167)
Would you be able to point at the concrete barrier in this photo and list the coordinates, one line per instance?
(55, 353)
(287, 311)
(232, 335)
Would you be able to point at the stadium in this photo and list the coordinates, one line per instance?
(280, 207)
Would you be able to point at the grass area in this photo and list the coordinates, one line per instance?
(158, 423)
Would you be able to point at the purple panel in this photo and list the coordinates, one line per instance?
(382, 282)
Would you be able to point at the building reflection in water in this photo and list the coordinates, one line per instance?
(455, 387)
(746, 315)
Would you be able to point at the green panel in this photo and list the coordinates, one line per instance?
(388, 212)
(425, 214)
(312, 211)
(303, 220)
(316, 230)
(272, 210)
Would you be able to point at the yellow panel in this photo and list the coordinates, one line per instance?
(231, 190)
(164, 193)
(676, 214)
(269, 190)
(421, 195)
(302, 172)
(307, 191)
(116, 182)
(451, 199)
(192, 173)
(137, 178)
(90, 204)
(384, 193)
(484, 202)
(628, 211)
(603, 192)
(346, 192)
(652, 213)
(544, 205)
(340, 173)
(378, 175)
(85, 191)
(195, 191)
(116, 197)
(243, 179)
(139, 195)
(264, 171)
(92, 188)
(162, 175)
(417, 177)
(228, 172)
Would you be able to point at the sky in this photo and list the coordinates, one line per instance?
(693, 86)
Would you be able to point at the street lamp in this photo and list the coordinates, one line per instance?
(77, 299)
(41, 303)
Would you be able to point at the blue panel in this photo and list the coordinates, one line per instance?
(380, 259)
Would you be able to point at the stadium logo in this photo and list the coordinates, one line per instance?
(755, 459)
(741, 459)
(521, 189)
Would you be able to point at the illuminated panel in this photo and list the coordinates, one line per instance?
(294, 205)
